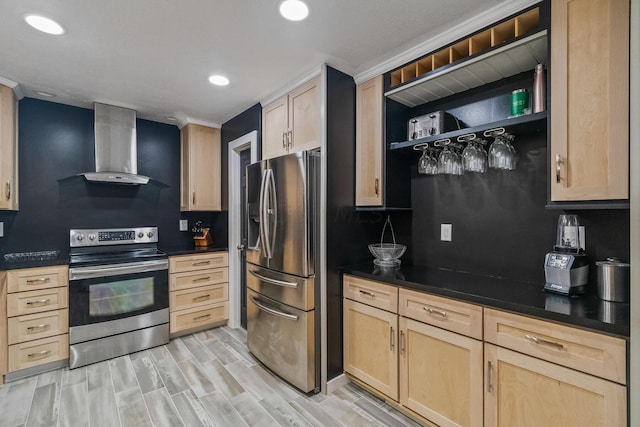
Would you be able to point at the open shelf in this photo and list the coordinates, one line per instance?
(515, 124)
(503, 61)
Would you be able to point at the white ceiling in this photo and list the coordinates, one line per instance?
(155, 55)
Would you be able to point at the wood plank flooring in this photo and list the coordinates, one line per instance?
(204, 379)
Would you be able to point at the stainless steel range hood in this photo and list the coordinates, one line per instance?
(116, 147)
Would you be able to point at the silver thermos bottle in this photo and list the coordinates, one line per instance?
(537, 103)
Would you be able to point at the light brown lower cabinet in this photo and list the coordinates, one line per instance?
(524, 391)
(370, 346)
(198, 292)
(431, 357)
(440, 374)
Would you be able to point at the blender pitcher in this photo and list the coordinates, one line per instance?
(568, 235)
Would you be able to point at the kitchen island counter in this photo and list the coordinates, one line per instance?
(586, 311)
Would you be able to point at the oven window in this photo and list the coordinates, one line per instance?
(108, 299)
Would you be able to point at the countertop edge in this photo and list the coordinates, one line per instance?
(618, 330)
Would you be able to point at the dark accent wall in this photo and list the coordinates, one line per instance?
(348, 231)
(56, 142)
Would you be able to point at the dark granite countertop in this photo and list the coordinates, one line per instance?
(190, 250)
(33, 260)
(586, 311)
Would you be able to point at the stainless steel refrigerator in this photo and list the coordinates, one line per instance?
(283, 315)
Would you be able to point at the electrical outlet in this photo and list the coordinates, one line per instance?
(184, 226)
(445, 232)
(1, 229)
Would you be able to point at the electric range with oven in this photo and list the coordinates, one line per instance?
(118, 293)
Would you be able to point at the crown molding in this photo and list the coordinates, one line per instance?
(461, 30)
(188, 120)
(316, 70)
(17, 89)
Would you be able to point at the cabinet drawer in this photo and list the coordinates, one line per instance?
(372, 293)
(34, 353)
(30, 279)
(196, 297)
(39, 325)
(596, 354)
(178, 264)
(36, 301)
(456, 316)
(179, 281)
(201, 316)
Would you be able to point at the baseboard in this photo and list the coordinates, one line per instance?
(337, 382)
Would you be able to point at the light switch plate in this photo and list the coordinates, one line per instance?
(1, 229)
(445, 232)
(184, 226)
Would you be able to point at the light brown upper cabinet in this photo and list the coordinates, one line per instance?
(8, 150)
(201, 174)
(369, 142)
(292, 123)
(589, 100)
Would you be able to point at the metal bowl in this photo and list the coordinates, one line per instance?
(387, 254)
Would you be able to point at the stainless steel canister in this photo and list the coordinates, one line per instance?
(613, 280)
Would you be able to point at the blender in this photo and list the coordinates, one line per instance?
(566, 269)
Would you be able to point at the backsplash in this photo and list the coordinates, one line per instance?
(500, 224)
(56, 142)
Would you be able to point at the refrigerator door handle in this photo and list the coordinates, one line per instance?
(262, 211)
(274, 281)
(272, 211)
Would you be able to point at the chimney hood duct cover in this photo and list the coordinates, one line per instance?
(116, 147)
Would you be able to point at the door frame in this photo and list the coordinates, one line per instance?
(247, 141)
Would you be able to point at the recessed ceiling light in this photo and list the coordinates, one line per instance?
(171, 118)
(294, 10)
(44, 24)
(45, 94)
(218, 80)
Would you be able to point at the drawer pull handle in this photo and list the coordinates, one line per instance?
(40, 301)
(489, 373)
(202, 279)
(201, 263)
(37, 327)
(205, 316)
(438, 312)
(545, 342)
(40, 354)
(367, 293)
(201, 298)
(40, 280)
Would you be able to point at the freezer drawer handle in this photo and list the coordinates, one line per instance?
(274, 311)
(274, 281)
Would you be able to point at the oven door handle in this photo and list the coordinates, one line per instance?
(79, 273)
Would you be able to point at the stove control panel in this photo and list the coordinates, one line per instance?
(112, 236)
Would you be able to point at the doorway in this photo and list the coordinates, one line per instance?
(242, 152)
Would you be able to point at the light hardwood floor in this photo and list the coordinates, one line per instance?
(205, 379)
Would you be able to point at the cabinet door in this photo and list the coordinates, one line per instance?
(201, 169)
(440, 374)
(304, 116)
(369, 143)
(590, 100)
(370, 346)
(524, 391)
(8, 150)
(274, 128)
